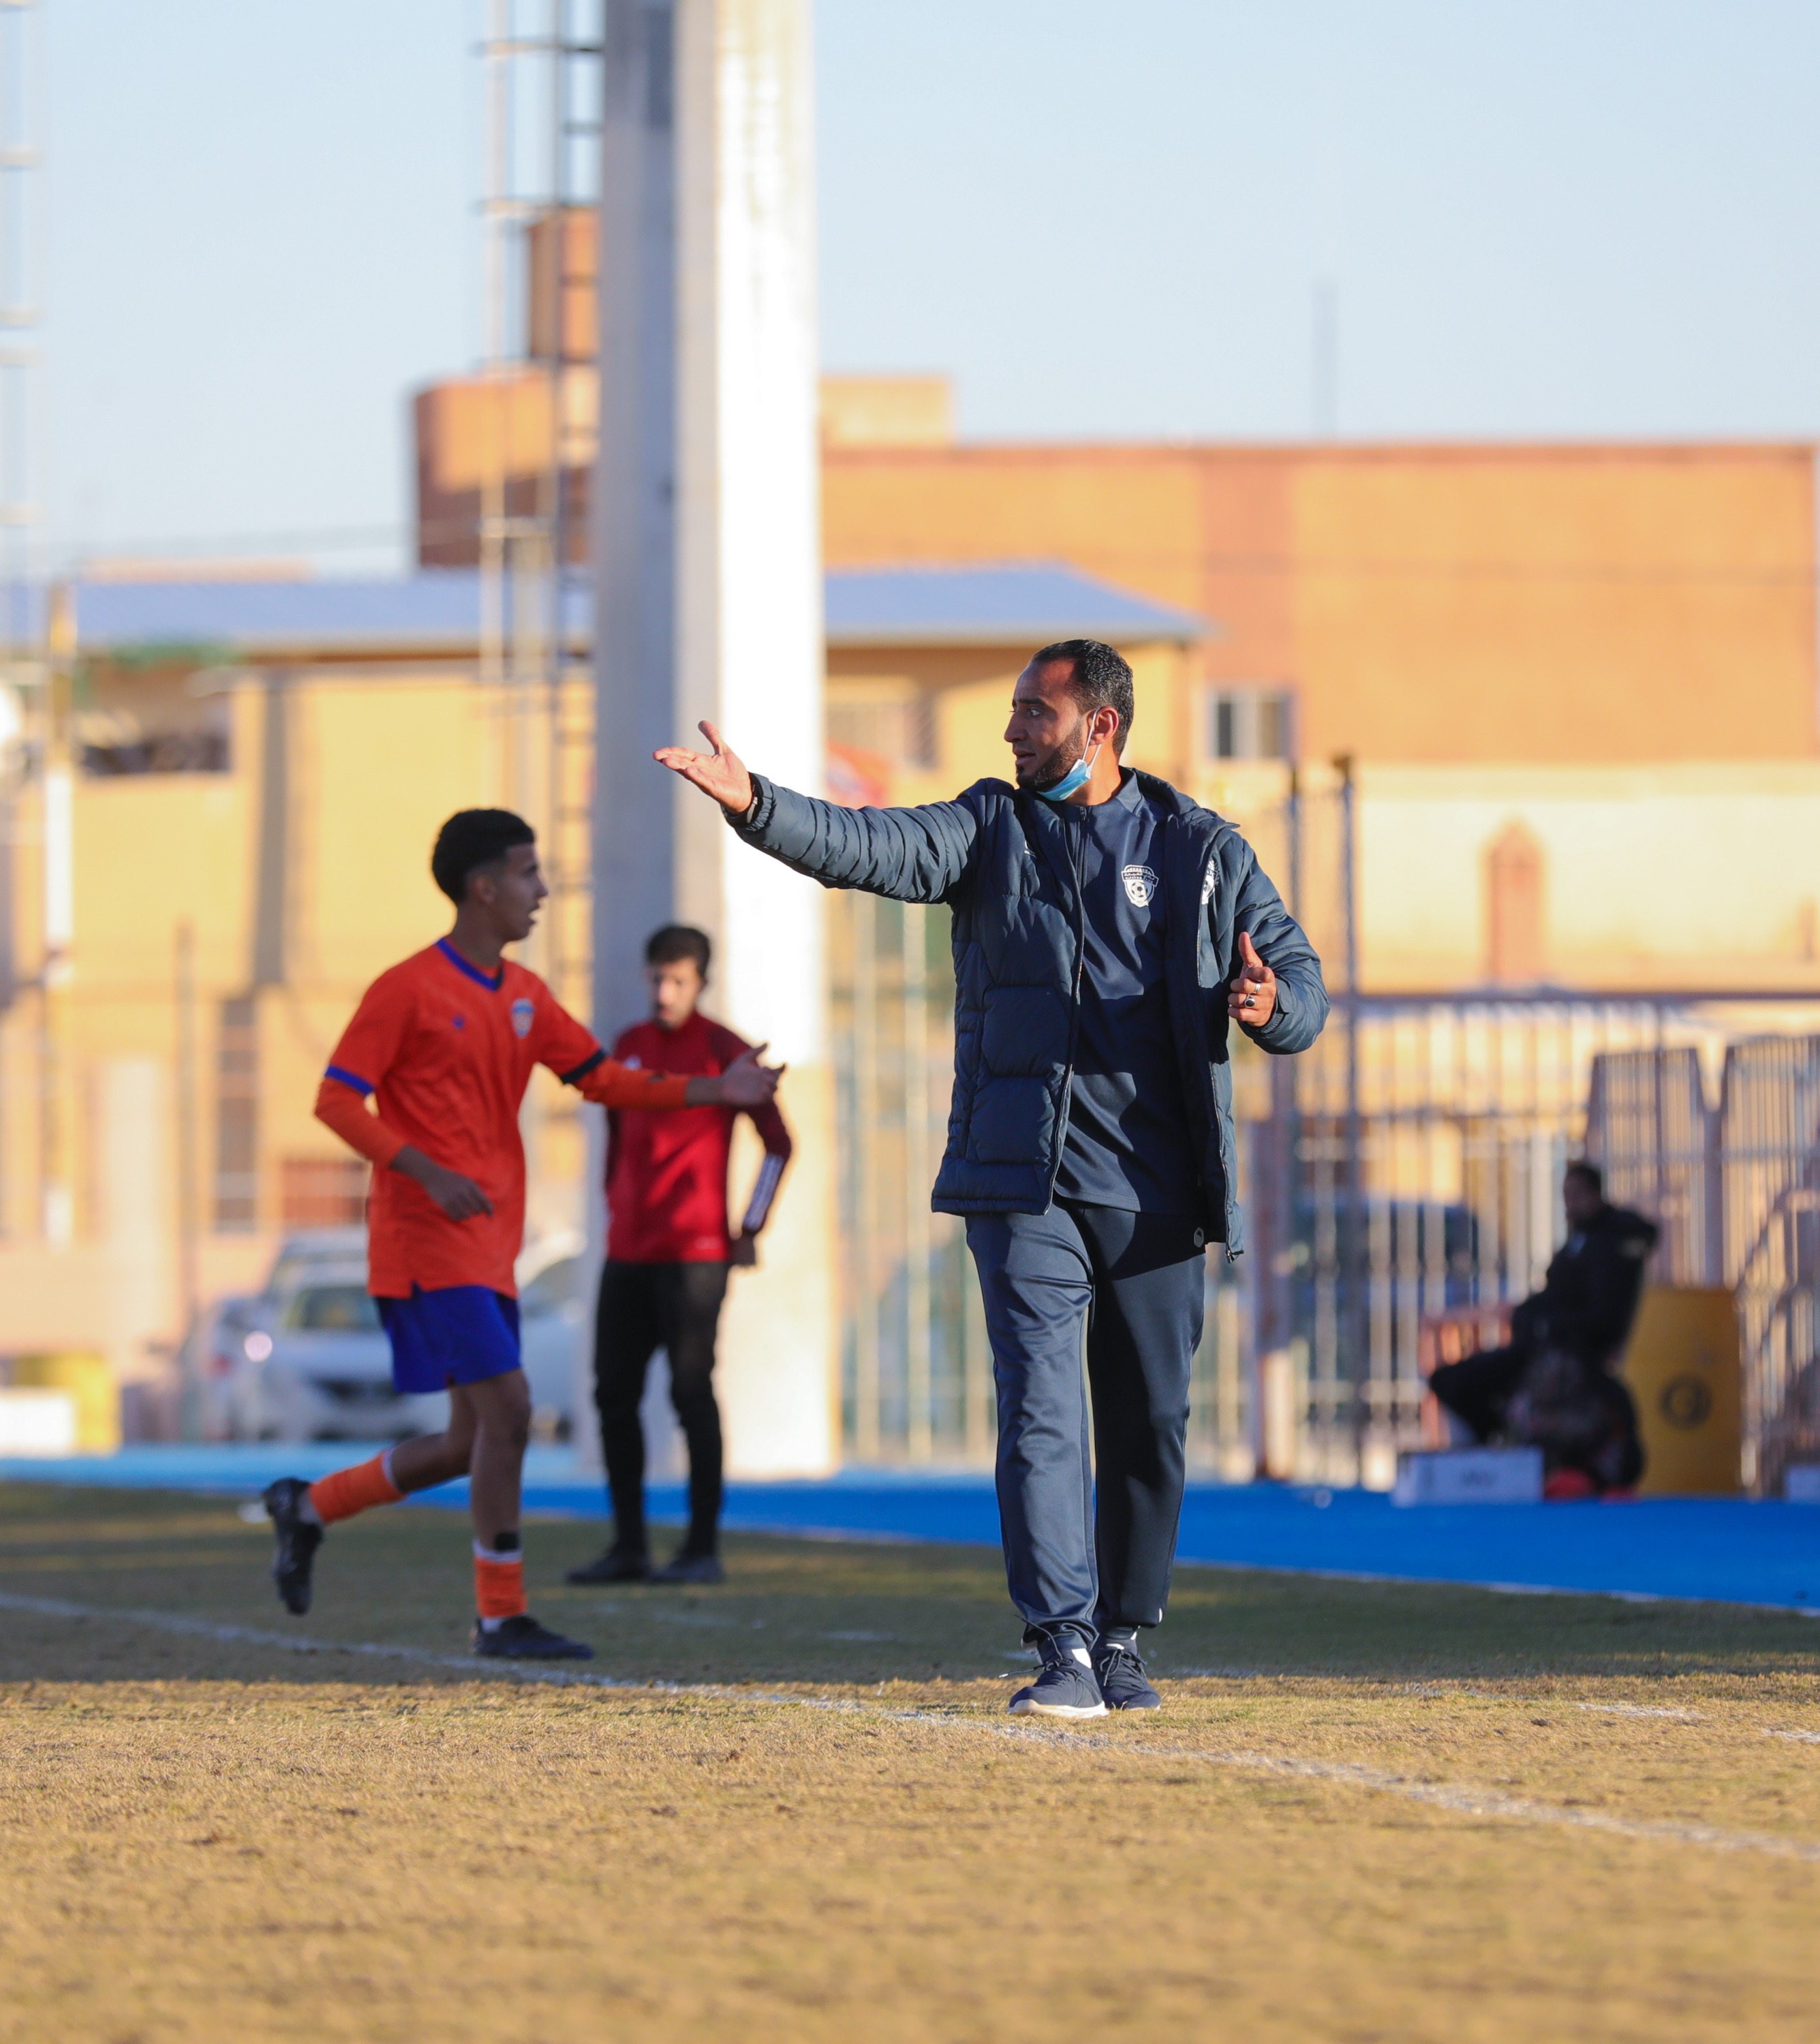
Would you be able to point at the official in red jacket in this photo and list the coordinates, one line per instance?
(668, 1247)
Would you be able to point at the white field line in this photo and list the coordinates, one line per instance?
(1599, 1710)
(1514, 1696)
(291, 1642)
(1461, 1800)
(1465, 1800)
(1641, 1711)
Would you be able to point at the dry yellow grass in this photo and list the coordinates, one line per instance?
(1405, 1813)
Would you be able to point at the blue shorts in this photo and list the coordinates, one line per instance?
(462, 1334)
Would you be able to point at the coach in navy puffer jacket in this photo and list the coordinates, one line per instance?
(999, 857)
(1099, 916)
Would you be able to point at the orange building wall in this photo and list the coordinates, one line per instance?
(1426, 603)
(1446, 605)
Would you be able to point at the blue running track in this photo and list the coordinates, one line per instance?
(1727, 1549)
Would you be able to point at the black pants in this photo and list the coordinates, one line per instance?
(1079, 1556)
(1604, 1442)
(644, 1306)
(1478, 1388)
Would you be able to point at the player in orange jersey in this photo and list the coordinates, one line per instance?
(444, 1043)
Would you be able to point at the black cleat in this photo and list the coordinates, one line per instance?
(1119, 1671)
(298, 1538)
(690, 1568)
(1065, 1688)
(522, 1638)
(616, 1566)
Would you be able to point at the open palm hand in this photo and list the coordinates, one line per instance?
(721, 773)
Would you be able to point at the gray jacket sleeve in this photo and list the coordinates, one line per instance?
(917, 854)
(1301, 994)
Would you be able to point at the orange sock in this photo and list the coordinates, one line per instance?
(356, 1489)
(498, 1581)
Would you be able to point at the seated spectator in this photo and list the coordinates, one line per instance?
(1552, 1386)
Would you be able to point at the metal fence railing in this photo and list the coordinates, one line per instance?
(1409, 1166)
(916, 1376)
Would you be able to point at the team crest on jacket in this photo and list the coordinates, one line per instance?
(523, 1014)
(1140, 884)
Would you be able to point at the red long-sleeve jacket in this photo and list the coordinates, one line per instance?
(666, 1173)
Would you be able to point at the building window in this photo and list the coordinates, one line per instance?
(157, 735)
(898, 727)
(1516, 909)
(159, 752)
(1247, 724)
(236, 1118)
(322, 1192)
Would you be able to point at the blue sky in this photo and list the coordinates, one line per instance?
(1543, 219)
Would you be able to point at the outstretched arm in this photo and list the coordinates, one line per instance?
(746, 1082)
(571, 1052)
(911, 854)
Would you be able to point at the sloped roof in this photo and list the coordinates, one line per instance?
(438, 611)
(1008, 603)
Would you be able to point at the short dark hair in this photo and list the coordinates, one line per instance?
(1101, 680)
(676, 941)
(1590, 1173)
(470, 839)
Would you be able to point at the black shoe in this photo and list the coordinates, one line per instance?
(1119, 1670)
(616, 1566)
(298, 1538)
(692, 1569)
(522, 1638)
(1066, 1688)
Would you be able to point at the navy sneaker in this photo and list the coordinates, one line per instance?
(522, 1638)
(298, 1538)
(1065, 1688)
(1119, 1669)
(618, 1565)
(692, 1569)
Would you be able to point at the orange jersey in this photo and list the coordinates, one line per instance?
(445, 1051)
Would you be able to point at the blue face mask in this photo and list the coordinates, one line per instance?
(1075, 777)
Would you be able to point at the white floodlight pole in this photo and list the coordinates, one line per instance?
(708, 595)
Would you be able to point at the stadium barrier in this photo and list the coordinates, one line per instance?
(1404, 1171)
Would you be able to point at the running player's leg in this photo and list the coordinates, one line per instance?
(300, 1512)
(501, 1406)
(426, 1460)
(690, 1302)
(479, 1331)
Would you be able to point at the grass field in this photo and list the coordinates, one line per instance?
(795, 1808)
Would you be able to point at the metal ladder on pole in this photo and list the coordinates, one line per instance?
(536, 627)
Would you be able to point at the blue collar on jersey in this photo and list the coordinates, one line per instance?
(492, 982)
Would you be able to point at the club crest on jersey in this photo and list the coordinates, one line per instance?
(523, 1014)
(1140, 884)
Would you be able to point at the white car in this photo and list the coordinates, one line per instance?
(556, 1328)
(307, 1359)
